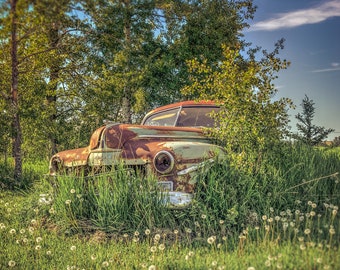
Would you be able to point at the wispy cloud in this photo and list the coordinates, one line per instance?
(334, 67)
(300, 17)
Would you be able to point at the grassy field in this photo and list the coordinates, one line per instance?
(284, 216)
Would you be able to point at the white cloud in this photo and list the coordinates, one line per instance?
(300, 17)
(326, 70)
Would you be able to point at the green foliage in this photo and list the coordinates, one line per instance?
(308, 132)
(237, 221)
(249, 120)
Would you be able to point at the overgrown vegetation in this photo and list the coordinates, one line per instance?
(283, 215)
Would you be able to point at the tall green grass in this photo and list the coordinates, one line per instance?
(284, 215)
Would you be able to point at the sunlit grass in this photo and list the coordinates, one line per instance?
(263, 221)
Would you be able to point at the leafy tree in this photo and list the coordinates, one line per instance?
(249, 120)
(336, 141)
(308, 132)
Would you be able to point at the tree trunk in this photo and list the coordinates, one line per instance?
(16, 128)
(126, 100)
(51, 97)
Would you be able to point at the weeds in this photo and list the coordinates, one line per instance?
(281, 217)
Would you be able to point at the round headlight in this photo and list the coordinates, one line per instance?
(164, 162)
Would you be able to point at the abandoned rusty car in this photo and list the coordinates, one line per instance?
(169, 144)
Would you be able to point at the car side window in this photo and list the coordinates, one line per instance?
(165, 118)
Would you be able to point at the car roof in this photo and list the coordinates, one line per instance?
(184, 104)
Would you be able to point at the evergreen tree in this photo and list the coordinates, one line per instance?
(308, 132)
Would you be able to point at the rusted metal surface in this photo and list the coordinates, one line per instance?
(171, 153)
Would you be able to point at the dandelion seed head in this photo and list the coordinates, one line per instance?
(73, 248)
(135, 239)
(48, 252)
(11, 263)
(161, 247)
(72, 191)
(302, 247)
(251, 268)
(221, 222)
(12, 231)
(105, 264)
(2, 226)
(153, 249)
(334, 212)
(307, 231)
(68, 202)
(147, 232)
(157, 237)
(210, 240)
(264, 217)
(22, 231)
(175, 231)
(331, 231)
(136, 233)
(37, 247)
(38, 239)
(213, 263)
(203, 216)
(152, 267)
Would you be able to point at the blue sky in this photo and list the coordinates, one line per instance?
(311, 29)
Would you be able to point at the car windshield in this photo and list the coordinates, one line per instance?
(165, 118)
(195, 116)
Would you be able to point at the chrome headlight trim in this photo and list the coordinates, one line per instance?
(164, 162)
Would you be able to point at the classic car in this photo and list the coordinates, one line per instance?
(169, 144)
